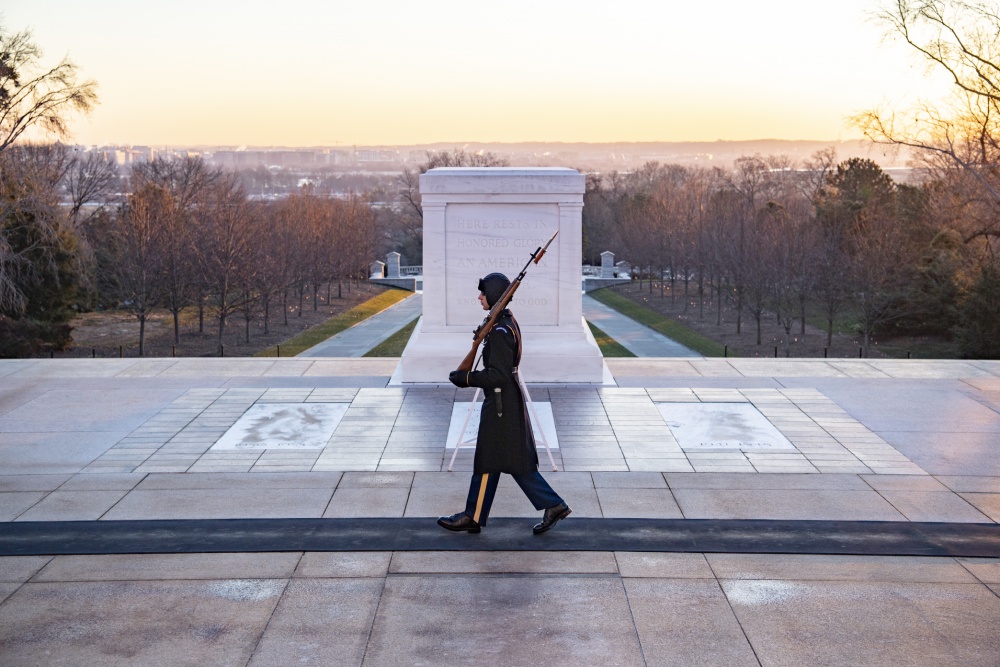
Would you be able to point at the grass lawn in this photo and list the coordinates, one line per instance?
(656, 322)
(394, 344)
(609, 346)
(336, 324)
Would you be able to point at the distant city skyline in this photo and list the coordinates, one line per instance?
(385, 72)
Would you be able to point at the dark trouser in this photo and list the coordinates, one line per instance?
(484, 487)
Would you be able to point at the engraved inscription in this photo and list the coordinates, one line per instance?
(737, 427)
(487, 238)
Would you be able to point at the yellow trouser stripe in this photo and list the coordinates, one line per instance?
(482, 495)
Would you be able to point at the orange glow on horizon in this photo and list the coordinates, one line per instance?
(387, 72)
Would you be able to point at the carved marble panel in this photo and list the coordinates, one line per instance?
(283, 426)
(724, 427)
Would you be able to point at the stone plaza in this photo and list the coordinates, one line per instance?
(844, 512)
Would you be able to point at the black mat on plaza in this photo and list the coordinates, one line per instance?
(876, 538)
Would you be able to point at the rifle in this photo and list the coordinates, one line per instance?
(483, 329)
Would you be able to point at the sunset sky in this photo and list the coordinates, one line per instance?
(339, 72)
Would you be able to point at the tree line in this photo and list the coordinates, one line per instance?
(167, 234)
(793, 242)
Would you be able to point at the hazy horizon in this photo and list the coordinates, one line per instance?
(390, 73)
(459, 145)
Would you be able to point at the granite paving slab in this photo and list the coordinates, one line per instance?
(44, 453)
(376, 480)
(221, 504)
(368, 502)
(71, 411)
(515, 619)
(67, 368)
(933, 506)
(344, 564)
(318, 622)
(239, 481)
(106, 623)
(816, 505)
(949, 452)
(634, 503)
(640, 480)
(813, 567)
(11, 366)
(10, 483)
(784, 482)
(663, 565)
(161, 567)
(6, 590)
(971, 483)
(15, 503)
(987, 503)
(687, 622)
(73, 506)
(503, 562)
(986, 570)
(103, 482)
(791, 622)
(16, 393)
(903, 483)
(436, 494)
(18, 569)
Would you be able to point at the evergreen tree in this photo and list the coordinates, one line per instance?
(979, 328)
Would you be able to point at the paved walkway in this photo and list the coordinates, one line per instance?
(365, 335)
(638, 339)
(109, 442)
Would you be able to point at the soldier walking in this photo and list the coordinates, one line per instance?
(505, 443)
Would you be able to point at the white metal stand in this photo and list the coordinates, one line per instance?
(533, 420)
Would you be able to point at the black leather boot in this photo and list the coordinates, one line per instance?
(551, 516)
(459, 522)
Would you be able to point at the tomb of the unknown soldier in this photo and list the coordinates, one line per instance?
(481, 220)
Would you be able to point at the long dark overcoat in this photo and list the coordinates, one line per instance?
(506, 442)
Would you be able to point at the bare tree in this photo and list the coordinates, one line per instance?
(747, 180)
(91, 181)
(878, 272)
(287, 249)
(831, 264)
(139, 257)
(962, 39)
(788, 228)
(33, 95)
(638, 228)
(273, 269)
(698, 195)
(251, 270)
(189, 182)
(225, 240)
